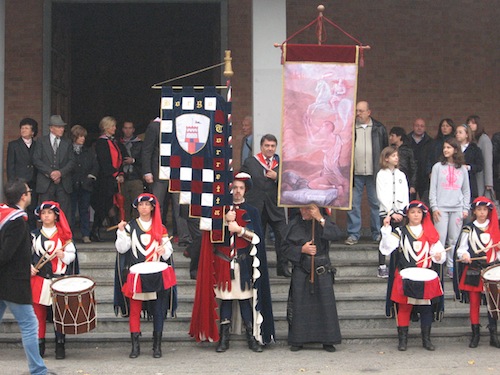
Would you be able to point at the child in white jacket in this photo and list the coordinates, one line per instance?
(392, 193)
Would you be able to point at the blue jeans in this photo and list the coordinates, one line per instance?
(25, 316)
(354, 215)
(80, 199)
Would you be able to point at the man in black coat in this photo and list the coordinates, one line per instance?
(421, 144)
(20, 161)
(15, 270)
(263, 168)
(54, 160)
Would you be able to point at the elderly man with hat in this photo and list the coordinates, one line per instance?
(54, 160)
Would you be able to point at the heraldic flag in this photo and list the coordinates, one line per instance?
(196, 153)
(319, 96)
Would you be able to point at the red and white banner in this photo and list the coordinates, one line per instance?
(319, 96)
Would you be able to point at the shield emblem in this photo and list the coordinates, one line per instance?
(191, 131)
(145, 239)
(417, 246)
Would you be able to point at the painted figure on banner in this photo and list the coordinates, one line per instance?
(318, 103)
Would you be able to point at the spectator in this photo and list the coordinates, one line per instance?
(407, 163)
(392, 193)
(472, 155)
(263, 168)
(54, 160)
(132, 164)
(421, 144)
(484, 178)
(20, 162)
(86, 170)
(449, 195)
(110, 160)
(247, 141)
(446, 129)
(495, 140)
(371, 139)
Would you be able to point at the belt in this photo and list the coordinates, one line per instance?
(321, 270)
(229, 259)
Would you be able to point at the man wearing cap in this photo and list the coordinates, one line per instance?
(54, 160)
(234, 271)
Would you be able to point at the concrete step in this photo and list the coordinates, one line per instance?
(349, 319)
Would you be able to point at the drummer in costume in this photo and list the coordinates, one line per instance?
(476, 241)
(417, 246)
(235, 272)
(54, 248)
(145, 239)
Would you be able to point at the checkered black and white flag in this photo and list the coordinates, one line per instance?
(196, 152)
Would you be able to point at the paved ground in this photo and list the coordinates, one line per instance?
(189, 358)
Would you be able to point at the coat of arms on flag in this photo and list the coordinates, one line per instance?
(196, 153)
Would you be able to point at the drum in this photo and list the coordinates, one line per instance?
(421, 283)
(73, 304)
(491, 281)
(147, 278)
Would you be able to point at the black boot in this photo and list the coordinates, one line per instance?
(282, 267)
(136, 349)
(224, 338)
(252, 343)
(60, 350)
(403, 338)
(426, 338)
(474, 341)
(157, 344)
(41, 347)
(492, 327)
(95, 236)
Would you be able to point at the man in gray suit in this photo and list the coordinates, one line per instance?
(54, 160)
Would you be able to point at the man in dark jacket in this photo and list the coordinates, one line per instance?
(371, 138)
(54, 160)
(407, 163)
(132, 163)
(15, 270)
(263, 168)
(421, 144)
(20, 161)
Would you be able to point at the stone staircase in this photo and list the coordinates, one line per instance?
(360, 301)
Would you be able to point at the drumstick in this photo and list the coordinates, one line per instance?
(430, 256)
(478, 258)
(485, 249)
(150, 257)
(43, 257)
(112, 228)
(52, 256)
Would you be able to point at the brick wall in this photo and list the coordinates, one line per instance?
(23, 64)
(430, 59)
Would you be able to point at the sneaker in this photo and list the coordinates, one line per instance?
(351, 240)
(449, 273)
(86, 239)
(383, 271)
(377, 239)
